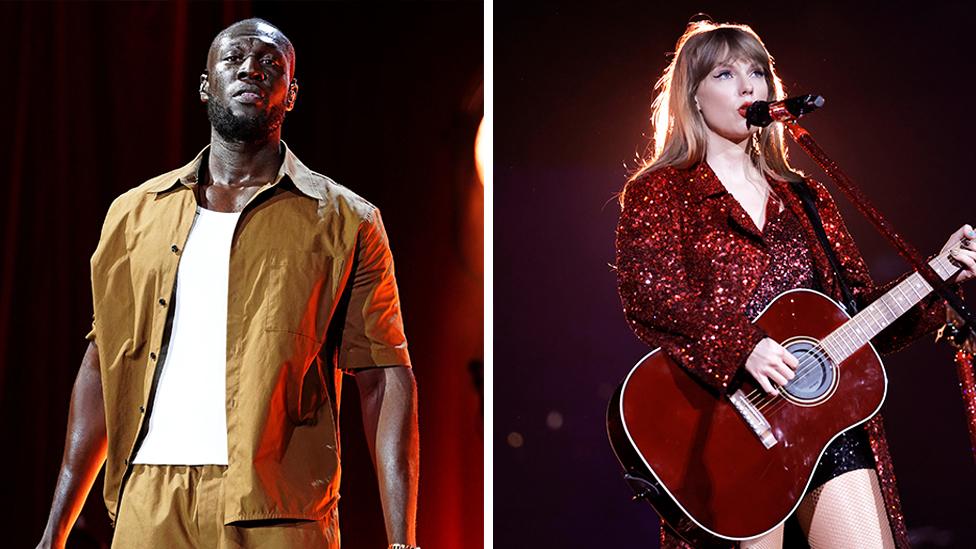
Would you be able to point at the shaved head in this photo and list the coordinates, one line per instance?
(259, 27)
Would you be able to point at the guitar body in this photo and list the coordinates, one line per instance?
(708, 473)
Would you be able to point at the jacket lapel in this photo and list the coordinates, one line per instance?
(706, 184)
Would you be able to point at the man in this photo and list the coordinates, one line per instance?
(229, 297)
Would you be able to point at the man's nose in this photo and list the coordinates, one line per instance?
(250, 68)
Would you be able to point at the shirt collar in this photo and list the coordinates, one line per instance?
(305, 180)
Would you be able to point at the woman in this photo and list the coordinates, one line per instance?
(711, 231)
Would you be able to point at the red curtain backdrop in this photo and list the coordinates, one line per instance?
(102, 96)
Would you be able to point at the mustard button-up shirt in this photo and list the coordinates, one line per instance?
(311, 293)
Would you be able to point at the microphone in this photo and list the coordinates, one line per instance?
(759, 113)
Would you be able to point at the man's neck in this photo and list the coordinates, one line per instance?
(237, 164)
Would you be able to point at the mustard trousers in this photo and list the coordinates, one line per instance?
(181, 506)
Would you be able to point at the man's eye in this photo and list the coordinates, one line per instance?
(270, 61)
(232, 58)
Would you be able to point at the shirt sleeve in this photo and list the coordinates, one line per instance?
(704, 336)
(104, 260)
(373, 331)
(924, 318)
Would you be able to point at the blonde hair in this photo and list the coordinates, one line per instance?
(680, 138)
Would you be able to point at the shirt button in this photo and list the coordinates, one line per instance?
(152, 356)
(142, 410)
(175, 248)
(162, 302)
(125, 461)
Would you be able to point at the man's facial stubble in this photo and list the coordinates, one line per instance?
(245, 129)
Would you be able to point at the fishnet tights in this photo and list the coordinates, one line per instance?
(847, 511)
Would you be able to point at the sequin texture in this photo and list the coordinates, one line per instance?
(790, 264)
(967, 384)
(689, 259)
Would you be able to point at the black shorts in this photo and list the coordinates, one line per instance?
(848, 452)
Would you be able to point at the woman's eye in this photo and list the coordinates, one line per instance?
(724, 74)
(759, 73)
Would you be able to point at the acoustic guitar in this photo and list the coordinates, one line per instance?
(735, 466)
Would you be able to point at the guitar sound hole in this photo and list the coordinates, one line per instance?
(815, 377)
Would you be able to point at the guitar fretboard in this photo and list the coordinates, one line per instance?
(856, 332)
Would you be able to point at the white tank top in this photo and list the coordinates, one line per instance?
(188, 420)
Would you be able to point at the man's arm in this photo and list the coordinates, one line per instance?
(389, 405)
(84, 451)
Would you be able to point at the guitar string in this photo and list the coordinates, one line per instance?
(800, 366)
(816, 355)
(808, 367)
(805, 369)
(763, 404)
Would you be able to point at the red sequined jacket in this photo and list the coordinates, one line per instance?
(689, 258)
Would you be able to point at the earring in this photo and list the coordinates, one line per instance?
(292, 92)
(204, 80)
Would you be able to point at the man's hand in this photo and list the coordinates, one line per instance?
(389, 404)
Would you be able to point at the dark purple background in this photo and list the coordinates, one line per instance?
(572, 101)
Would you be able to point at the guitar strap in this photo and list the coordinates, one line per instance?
(806, 197)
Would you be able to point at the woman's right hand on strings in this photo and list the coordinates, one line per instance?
(770, 362)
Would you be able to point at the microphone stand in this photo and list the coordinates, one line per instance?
(806, 142)
(965, 348)
(964, 367)
(964, 332)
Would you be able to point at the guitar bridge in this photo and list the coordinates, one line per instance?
(753, 418)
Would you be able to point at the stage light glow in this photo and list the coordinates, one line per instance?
(554, 420)
(482, 149)
(515, 439)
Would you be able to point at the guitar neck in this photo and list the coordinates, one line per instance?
(874, 318)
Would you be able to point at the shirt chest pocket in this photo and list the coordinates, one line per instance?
(301, 292)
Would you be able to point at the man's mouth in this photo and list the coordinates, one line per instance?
(248, 97)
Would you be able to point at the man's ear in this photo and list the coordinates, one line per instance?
(292, 95)
(204, 87)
